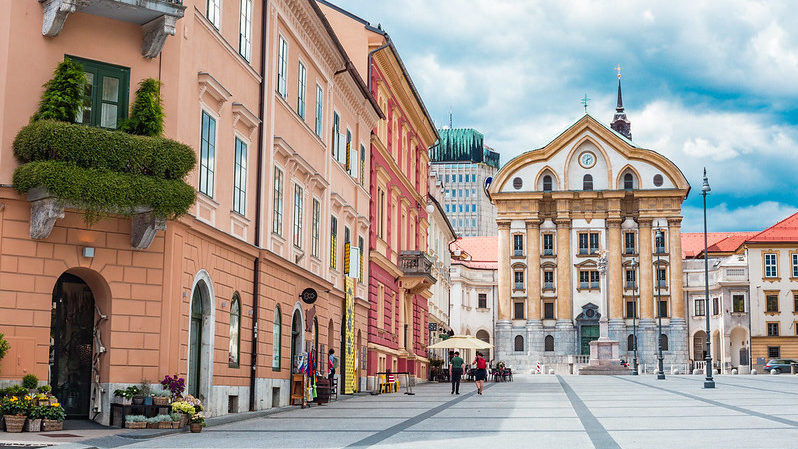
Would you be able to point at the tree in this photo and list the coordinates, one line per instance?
(146, 117)
(63, 95)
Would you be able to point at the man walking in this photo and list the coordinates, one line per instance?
(456, 371)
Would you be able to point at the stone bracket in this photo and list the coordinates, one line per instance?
(143, 227)
(155, 33)
(55, 14)
(44, 211)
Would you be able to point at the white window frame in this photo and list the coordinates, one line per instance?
(794, 260)
(213, 11)
(319, 110)
(299, 201)
(278, 201)
(210, 171)
(240, 182)
(302, 75)
(245, 30)
(316, 228)
(282, 66)
(774, 265)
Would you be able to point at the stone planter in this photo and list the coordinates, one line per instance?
(136, 425)
(123, 401)
(195, 427)
(33, 425)
(14, 423)
(49, 425)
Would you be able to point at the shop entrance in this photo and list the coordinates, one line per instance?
(71, 350)
(195, 344)
(296, 339)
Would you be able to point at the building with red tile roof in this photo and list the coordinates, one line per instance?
(476, 252)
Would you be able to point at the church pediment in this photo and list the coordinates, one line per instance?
(589, 155)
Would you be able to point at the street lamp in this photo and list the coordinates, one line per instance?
(708, 382)
(633, 264)
(660, 372)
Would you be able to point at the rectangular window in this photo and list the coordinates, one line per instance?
(282, 67)
(360, 256)
(106, 94)
(460, 178)
(630, 308)
(774, 352)
(347, 245)
(240, 178)
(771, 265)
(594, 279)
(548, 244)
(213, 12)
(794, 265)
(663, 308)
(715, 306)
(314, 246)
(594, 243)
(659, 243)
(245, 30)
(548, 280)
(333, 242)
(519, 280)
(588, 279)
(772, 303)
(319, 109)
(548, 310)
(336, 139)
(700, 309)
(277, 211)
(349, 161)
(518, 245)
(301, 87)
(362, 165)
(380, 306)
(629, 238)
(630, 279)
(207, 154)
(773, 329)
(483, 301)
(795, 302)
(588, 242)
(298, 199)
(518, 311)
(662, 278)
(738, 303)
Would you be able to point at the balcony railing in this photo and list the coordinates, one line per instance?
(629, 250)
(548, 252)
(548, 285)
(416, 263)
(630, 285)
(518, 285)
(518, 252)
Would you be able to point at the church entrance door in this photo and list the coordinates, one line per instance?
(589, 333)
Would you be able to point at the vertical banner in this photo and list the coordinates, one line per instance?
(349, 358)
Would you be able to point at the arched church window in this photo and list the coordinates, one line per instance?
(663, 341)
(519, 343)
(547, 183)
(587, 182)
(548, 343)
(628, 181)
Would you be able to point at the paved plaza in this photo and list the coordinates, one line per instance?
(531, 412)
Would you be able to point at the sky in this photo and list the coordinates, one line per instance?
(706, 83)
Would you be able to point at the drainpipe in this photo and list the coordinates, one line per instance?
(371, 53)
(258, 198)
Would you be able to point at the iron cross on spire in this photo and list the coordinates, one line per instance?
(585, 100)
(619, 68)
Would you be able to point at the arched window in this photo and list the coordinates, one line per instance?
(587, 182)
(276, 338)
(630, 343)
(519, 343)
(234, 347)
(628, 181)
(663, 341)
(547, 183)
(548, 343)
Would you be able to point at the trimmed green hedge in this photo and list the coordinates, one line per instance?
(103, 192)
(92, 147)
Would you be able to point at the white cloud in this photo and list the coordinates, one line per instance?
(721, 218)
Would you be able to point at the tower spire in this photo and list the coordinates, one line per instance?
(619, 122)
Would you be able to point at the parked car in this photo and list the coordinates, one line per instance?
(780, 365)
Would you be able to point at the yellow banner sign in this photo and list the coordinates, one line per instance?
(349, 357)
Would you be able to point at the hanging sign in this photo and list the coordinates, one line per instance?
(309, 295)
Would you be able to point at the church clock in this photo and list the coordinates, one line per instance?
(587, 159)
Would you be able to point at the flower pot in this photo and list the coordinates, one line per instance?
(176, 424)
(43, 402)
(138, 400)
(51, 424)
(195, 427)
(183, 420)
(147, 400)
(14, 423)
(123, 401)
(136, 425)
(164, 425)
(160, 401)
(33, 425)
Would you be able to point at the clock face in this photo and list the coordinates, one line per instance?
(587, 159)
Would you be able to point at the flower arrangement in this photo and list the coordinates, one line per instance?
(37, 411)
(54, 412)
(194, 402)
(183, 407)
(176, 385)
(45, 389)
(30, 382)
(16, 405)
(198, 418)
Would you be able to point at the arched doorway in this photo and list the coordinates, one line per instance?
(738, 339)
(699, 346)
(195, 355)
(71, 337)
(483, 335)
(716, 350)
(297, 332)
(201, 338)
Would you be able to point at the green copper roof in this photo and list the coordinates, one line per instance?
(463, 144)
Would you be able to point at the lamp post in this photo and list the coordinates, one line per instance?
(660, 371)
(708, 382)
(633, 264)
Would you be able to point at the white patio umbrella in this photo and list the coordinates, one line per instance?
(461, 342)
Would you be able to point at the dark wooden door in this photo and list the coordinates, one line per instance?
(589, 333)
(195, 345)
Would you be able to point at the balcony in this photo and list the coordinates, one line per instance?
(416, 267)
(156, 17)
(548, 252)
(518, 286)
(548, 286)
(630, 285)
(518, 253)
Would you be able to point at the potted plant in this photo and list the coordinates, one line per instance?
(125, 397)
(161, 398)
(30, 383)
(176, 385)
(197, 422)
(136, 422)
(185, 410)
(144, 392)
(176, 417)
(14, 410)
(43, 396)
(54, 416)
(135, 395)
(35, 415)
(159, 422)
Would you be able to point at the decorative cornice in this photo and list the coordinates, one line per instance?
(214, 89)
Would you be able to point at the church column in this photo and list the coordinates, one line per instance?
(564, 303)
(504, 271)
(675, 252)
(533, 270)
(646, 271)
(614, 269)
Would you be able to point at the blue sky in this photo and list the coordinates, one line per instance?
(705, 83)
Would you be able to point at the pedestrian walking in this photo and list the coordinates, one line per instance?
(481, 372)
(456, 371)
(331, 366)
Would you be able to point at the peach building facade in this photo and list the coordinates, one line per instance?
(214, 297)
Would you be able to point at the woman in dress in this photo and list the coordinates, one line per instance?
(481, 372)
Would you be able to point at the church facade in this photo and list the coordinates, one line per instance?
(589, 239)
